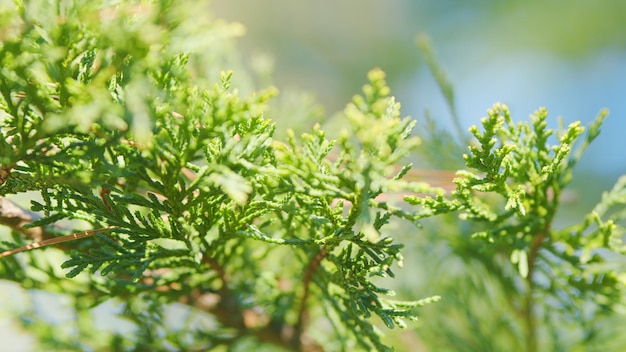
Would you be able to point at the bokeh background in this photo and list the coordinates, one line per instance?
(569, 56)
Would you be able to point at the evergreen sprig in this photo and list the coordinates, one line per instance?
(515, 191)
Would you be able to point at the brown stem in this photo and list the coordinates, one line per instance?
(227, 310)
(55, 240)
(16, 218)
(529, 315)
(4, 173)
(303, 313)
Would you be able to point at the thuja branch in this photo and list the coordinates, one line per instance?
(54, 241)
(511, 191)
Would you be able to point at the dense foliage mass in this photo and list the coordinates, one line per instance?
(124, 127)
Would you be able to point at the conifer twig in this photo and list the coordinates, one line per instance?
(55, 240)
(17, 219)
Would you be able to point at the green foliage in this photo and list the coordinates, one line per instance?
(103, 118)
(516, 162)
(508, 267)
(124, 122)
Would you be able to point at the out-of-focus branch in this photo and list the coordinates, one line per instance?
(17, 218)
(226, 307)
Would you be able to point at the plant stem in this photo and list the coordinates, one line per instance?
(531, 336)
(529, 315)
(302, 314)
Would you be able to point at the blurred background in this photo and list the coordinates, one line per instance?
(569, 56)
